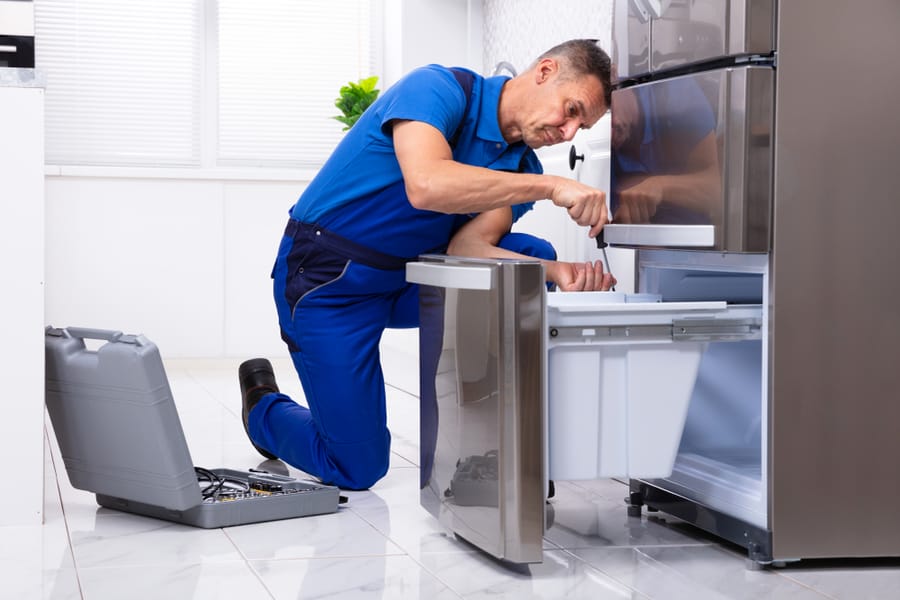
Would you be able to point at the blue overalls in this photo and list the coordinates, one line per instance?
(339, 277)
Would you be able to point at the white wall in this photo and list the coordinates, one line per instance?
(517, 31)
(446, 32)
(21, 268)
(186, 261)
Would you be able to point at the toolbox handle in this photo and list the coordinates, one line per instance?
(91, 333)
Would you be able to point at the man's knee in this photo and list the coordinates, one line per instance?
(359, 466)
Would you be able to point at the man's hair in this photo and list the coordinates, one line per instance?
(584, 57)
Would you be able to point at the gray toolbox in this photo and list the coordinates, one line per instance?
(121, 438)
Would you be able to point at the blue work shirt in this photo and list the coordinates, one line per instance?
(359, 193)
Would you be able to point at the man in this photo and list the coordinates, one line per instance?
(441, 162)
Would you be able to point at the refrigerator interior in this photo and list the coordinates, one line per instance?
(722, 457)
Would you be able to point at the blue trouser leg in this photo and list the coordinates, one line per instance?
(332, 313)
(335, 331)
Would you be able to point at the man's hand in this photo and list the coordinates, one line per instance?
(579, 277)
(586, 205)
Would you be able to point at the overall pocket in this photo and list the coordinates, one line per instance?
(310, 266)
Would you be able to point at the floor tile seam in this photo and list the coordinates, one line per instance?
(682, 576)
(803, 584)
(338, 557)
(401, 545)
(398, 544)
(181, 562)
(62, 509)
(435, 573)
(387, 538)
(679, 575)
(636, 594)
(552, 543)
(381, 533)
(634, 546)
(328, 557)
(411, 395)
(373, 525)
(247, 562)
(717, 547)
(155, 564)
(180, 566)
(211, 394)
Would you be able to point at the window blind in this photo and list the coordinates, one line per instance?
(199, 83)
(123, 81)
(281, 66)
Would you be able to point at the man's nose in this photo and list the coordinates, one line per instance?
(569, 129)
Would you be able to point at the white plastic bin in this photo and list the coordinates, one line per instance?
(621, 371)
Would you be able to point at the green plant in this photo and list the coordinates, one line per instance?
(355, 98)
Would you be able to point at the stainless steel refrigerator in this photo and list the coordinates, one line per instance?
(750, 385)
(789, 449)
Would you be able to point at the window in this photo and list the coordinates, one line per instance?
(123, 81)
(199, 83)
(276, 97)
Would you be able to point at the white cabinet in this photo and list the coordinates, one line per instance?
(22, 269)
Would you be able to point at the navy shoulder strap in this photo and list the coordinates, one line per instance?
(465, 80)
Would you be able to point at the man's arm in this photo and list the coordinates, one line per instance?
(479, 238)
(434, 181)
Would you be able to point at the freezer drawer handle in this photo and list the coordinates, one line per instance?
(450, 276)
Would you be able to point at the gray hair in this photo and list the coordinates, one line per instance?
(584, 57)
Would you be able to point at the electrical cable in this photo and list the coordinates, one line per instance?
(218, 483)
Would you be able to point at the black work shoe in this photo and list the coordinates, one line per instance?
(257, 379)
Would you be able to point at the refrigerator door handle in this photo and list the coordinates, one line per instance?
(450, 276)
(648, 9)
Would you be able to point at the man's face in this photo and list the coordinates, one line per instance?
(560, 107)
(624, 118)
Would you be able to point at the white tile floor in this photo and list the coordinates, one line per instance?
(380, 544)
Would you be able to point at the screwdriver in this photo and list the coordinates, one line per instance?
(601, 243)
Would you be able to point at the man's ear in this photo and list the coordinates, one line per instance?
(545, 69)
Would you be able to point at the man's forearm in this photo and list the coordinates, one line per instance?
(447, 186)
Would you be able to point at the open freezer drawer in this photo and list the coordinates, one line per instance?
(598, 382)
(621, 370)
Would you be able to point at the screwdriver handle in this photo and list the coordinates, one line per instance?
(601, 244)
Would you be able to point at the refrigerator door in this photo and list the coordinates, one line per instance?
(481, 344)
(616, 391)
(651, 37)
(693, 31)
(691, 161)
(631, 38)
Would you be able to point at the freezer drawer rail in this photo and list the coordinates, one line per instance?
(696, 330)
